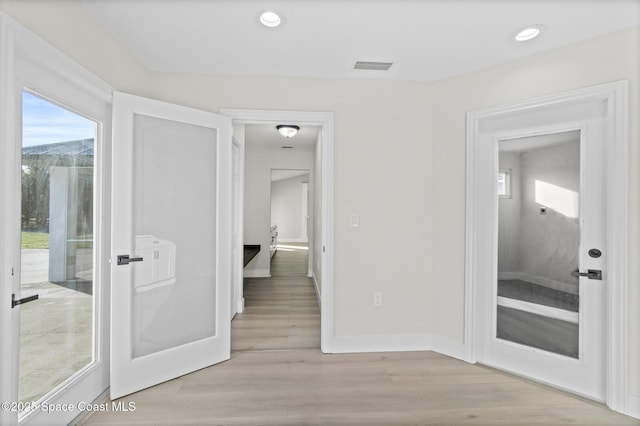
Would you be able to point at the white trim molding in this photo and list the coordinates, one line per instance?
(482, 123)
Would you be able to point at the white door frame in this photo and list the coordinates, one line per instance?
(325, 121)
(237, 267)
(26, 60)
(480, 123)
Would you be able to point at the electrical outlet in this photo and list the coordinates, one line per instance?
(377, 298)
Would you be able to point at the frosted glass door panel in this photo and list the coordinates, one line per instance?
(174, 230)
(539, 242)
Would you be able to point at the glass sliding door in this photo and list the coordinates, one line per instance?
(57, 246)
(538, 291)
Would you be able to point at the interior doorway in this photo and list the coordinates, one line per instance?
(320, 253)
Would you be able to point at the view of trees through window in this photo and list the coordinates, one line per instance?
(57, 245)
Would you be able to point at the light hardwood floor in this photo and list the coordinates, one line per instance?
(278, 376)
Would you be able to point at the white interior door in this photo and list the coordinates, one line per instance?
(544, 308)
(171, 242)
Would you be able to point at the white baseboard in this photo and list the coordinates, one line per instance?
(398, 343)
(448, 347)
(545, 282)
(381, 343)
(633, 406)
(257, 273)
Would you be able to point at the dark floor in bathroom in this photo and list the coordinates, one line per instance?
(534, 293)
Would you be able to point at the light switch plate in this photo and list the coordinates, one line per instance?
(354, 221)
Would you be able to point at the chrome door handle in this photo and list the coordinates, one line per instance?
(592, 274)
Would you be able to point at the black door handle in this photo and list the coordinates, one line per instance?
(15, 302)
(592, 274)
(124, 259)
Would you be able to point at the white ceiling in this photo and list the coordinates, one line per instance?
(427, 40)
(268, 137)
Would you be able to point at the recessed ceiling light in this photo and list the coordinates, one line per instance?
(270, 19)
(530, 32)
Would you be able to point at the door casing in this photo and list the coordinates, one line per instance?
(479, 228)
(325, 121)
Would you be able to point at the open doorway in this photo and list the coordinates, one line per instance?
(282, 181)
(321, 251)
(290, 215)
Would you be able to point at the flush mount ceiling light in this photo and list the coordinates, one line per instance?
(530, 32)
(287, 130)
(270, 19)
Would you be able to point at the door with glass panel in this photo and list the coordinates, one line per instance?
(548, 298)
(57, 295)
(171, 242)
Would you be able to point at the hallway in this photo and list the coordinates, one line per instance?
(281, 312)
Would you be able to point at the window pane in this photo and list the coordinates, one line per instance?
(57, 245)
(538, 244)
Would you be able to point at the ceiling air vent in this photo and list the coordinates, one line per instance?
(372, 66)
(286, 147)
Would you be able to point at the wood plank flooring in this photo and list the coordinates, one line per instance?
(280, 313)
(274, 378)
(290, 260)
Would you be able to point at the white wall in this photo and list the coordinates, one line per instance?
(391, 140)
(287, 208)
(550, 242)
(257, 197)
